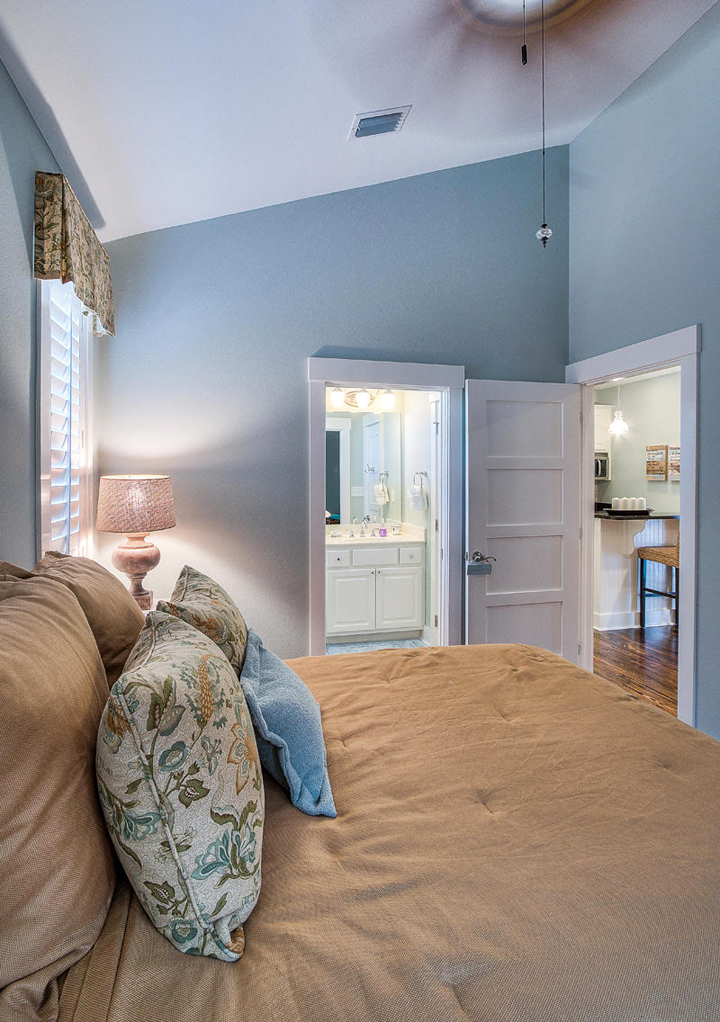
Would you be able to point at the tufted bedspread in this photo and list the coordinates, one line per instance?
(516, 841)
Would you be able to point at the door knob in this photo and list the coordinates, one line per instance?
(479, 558)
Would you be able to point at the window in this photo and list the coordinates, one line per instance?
(65, 443)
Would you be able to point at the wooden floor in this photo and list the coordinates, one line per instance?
(642, 661)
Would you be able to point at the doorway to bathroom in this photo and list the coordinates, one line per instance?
(386, 504)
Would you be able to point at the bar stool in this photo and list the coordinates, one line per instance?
(668, 555)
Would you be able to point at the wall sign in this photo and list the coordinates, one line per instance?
(656, 463)
(673, 463)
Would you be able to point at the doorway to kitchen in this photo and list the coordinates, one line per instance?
(602, 375)
(385, 504)
(636, 533)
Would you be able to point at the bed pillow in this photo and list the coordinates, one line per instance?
(204, 604)
(288, 728)
(9, 571)
(58, 873)
(112, 613)
(181, 788)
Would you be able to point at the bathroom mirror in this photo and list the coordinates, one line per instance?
(363, 466)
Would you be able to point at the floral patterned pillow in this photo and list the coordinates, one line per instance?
(205, 605)
(181, 787)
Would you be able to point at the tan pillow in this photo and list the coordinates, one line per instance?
(57, 875)
(13, 571)
(113, 615)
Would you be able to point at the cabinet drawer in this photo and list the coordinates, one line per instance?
(337, 558)
(411, 555)
(383, 555)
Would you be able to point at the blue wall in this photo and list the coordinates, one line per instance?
(207, 376)
(645, 260)
(23, 150)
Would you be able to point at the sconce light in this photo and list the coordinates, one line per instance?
(337, 397)
(136, 505)
(387, 400)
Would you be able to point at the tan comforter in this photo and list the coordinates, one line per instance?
(516, 841)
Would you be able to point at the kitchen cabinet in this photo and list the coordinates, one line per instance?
(374, 589)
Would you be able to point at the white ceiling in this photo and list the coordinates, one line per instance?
(172, 111)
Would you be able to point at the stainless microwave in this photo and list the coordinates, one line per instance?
(602, 465)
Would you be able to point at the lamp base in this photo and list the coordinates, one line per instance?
(136, 557)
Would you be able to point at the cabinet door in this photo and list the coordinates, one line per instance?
(350, 601)
(399, 599)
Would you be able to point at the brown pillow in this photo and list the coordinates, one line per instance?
(57, 875)
(113, 615)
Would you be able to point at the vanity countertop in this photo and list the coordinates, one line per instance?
(411, 534)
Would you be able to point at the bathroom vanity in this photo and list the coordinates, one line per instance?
(375, 584)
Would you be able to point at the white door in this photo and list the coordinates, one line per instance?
(350, 601)
(399, 598)
(523, 509)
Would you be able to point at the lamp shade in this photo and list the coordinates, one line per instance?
(135, 504)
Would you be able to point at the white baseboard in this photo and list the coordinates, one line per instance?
(629, 619)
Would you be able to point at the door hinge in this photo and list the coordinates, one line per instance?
(436, 620)
(579, 649)
(437, 529)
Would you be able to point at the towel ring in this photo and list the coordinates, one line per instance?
(415, 478)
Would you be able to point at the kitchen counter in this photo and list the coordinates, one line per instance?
(639, 517)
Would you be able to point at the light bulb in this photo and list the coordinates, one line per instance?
(363, 398)
(387, 400)
(337, 397)
(543, 234)
(618, 425)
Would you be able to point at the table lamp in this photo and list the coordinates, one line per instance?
(135, 505)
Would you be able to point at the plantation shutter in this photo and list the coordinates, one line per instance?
(65, 447)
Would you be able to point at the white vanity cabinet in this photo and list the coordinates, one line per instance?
(374, 589)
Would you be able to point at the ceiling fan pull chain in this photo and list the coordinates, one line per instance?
(524, 45)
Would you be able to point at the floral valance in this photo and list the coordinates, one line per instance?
(67, 248)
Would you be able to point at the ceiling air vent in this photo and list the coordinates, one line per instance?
(379, 122)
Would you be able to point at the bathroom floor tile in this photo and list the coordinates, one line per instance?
(366, 647)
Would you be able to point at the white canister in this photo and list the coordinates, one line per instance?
(634, 503)
(616, 503)
(642, 504)
(624, 503)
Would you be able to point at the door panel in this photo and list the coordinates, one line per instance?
(523, 508)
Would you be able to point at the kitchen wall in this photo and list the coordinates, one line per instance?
(651, 408)
(645, 251)
(206, 378)
(23, 150)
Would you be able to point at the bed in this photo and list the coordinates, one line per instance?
(516, 841)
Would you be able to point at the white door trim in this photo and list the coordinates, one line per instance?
(681, 347)
(449, 381)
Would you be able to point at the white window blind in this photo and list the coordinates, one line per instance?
(65, 421)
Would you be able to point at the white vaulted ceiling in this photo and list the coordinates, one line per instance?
(173, 111)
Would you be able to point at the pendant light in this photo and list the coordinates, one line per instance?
(545, 232)
(618, 427)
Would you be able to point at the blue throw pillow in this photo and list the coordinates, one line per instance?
(288, 730)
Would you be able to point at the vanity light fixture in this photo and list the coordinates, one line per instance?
(618, 426)
(363, 398)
